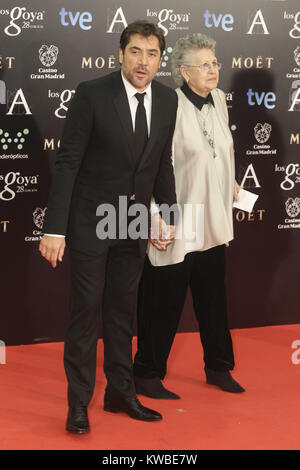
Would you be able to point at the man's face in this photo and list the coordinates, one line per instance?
(140, 60)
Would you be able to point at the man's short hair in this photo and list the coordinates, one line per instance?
(144, 28)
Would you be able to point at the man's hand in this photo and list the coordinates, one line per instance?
(52, 248)
(162, 234)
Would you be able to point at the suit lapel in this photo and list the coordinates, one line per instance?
(123, 110)
(155, 118)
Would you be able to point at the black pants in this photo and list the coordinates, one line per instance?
(107, 283)
(162, 295)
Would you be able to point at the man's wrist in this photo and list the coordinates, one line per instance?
(54, 235)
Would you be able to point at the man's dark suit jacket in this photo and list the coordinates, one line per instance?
(95, 163)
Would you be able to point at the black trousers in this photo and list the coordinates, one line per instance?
(162, 295)
(107, 283)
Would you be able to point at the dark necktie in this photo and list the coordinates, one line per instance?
(140, 129)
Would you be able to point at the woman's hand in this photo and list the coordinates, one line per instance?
(161, 234)
(236, 191)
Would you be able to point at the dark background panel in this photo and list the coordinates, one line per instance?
(262, 59)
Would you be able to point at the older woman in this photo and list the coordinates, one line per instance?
(203, 161)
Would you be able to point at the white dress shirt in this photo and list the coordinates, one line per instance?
(133, 104)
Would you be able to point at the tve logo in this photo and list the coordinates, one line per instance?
(224, 20)
(267, 99)
(67, 18)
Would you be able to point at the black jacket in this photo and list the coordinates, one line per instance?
(95, 161)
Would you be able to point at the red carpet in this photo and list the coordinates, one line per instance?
(33, 400)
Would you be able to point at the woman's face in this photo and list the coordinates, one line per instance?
(202, 80)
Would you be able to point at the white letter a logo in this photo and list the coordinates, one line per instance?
(118, 18)
(258, 20)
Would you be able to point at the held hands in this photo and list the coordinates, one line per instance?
(52, 248)
(161, 234)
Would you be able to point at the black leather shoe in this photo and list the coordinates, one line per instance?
(77, 421)
(223, 380)
(153, 388)
(131, 406)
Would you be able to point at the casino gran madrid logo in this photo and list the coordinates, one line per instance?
(12, 141)
(291, 177)
(297, 55)
(292, 206)
(292, 209)
(38, 216)
(14, 182)
(170, 20)
(22, 19)
(48, 57)
(295, 72)
(262, 133)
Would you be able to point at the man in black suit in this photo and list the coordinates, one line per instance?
(114, 143)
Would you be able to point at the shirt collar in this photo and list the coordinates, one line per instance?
(197, 100)
(131, 91)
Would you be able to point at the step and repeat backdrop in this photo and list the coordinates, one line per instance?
(47, 48)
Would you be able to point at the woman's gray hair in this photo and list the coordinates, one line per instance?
(183, 48)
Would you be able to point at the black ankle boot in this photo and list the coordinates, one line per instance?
(78, 421)
(153, 388)
(222, 380)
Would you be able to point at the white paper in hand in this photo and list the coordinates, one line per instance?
(246, 200)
